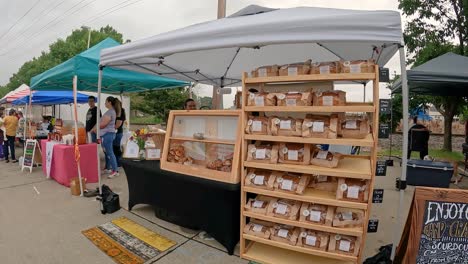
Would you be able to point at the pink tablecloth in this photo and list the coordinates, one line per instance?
(64, 166)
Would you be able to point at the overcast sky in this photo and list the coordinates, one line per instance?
(48, 20)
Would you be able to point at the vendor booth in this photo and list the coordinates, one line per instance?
(19, 92)
(299, 202)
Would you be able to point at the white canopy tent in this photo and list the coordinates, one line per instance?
(218, 52)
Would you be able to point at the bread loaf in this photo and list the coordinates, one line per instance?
(291, 183)
(329, 98)
(317, 214)
(315, 126)
(285, 126)
(355, 190)
(313, 239)
(294, 153)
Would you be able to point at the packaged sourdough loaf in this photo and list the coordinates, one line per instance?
(329, 98)
(325, 67)
(357, 66)
(317, 126)
(258, 228)
(265, 71)
(346, 245)
(347, 217)
(264, 153)
(283, 208)
(355, 190)
(294, 69)
(294, 99)
(294, 153)
(262, 179)
(354, 127)
(316, 214)
(285, 126)
(313, 239)
(261, 99)
(257, 125)
(291, 183)
(324, 183)
(324, 158)
(258, 205)
(285, 234)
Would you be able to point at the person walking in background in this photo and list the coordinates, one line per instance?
(119, 123)
(91, 117)
(418, 136)
(190, 104)
(2, 132)
(11, 125)
(107, 134)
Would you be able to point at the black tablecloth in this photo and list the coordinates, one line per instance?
(187, 201)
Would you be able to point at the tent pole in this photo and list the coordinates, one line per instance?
(404, 85)
(98, 121)
(364, 87)
(77, 150)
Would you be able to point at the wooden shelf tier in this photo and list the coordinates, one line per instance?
(311, 196)
(358, 168)
(216, 141)
(313, 77)
(366, 142)
(200, 172)
(290, 257)
(357, 232)
(313, 109)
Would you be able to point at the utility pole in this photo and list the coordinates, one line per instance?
(217, 99)
(89, 35)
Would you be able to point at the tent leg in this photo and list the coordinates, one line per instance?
(404, 83)
(98, 121)
(74, 113)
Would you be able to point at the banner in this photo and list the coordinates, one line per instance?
(49, 154)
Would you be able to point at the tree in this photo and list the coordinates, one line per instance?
(434, 28)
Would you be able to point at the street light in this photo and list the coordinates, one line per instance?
(89, 34)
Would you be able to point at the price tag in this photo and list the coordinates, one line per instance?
(283, 233)
(292, 71)
(347, 215)
(293, 155)
(353, 192)
(377, 196)
(381, 169)
(384, 130)
(311, 240)
(262, 72)
(285, 124)
(351, 124)
(257, 228)
(258, 204)
(286, 185)
(291, 102)
(260, 154)
(355, 68)
(385, 106)
(315, 216)
(322, 154)
(259, 179)
(325, 69)
(281, 209)
(257, 126)
(372, 226)
(327, 100)
(345, 245)
(259, 101)
(318, 126)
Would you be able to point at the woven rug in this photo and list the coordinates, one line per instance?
(127, 242)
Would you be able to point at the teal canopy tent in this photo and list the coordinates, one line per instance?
(86, 66)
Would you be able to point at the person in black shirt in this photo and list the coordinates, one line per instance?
(418, 139)
(119, 123)
(91, 117)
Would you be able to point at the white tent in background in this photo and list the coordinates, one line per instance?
(19, 92)
(218, 52)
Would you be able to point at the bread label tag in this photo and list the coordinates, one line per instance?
(260, 154)
(318, 126)
(355, 68)
(258, 204)
(293, 155)
(353, 192)
(287, 185)
(322, 178)
(283, 233)
(262, 72)
(281, 209)
(259, 180)
(257, 126)
(291, 102)
(315, 216)
(322, 154)
(325, 69)
(292, 71)
(351, 124)
(259, 101)
(257, 228)
(327, 100)
(311, 240)
(281, 96)
(347, 215)
(285, 124)
(344, 245)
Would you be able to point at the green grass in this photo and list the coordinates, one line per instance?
(435, 153)
(146, 120)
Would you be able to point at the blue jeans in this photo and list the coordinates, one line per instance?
(111, 162)
(93, 137)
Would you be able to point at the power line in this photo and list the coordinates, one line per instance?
(17, 21)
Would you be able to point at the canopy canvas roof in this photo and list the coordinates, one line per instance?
(15, 94)
(217, 52)
(446, 75)
(86, 66)
(51, 98)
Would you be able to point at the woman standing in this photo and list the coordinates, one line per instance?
(120, 120)
(107, 134)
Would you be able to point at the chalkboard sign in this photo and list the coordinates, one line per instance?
(384, 75)
(384, 130)
(28, 157)
(381, 169)
(437, 228)
(385, 107)
(377, 196)
(372, 226)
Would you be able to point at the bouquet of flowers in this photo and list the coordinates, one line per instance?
(140, 136)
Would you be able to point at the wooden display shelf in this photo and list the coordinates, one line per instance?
(358, 168)
(358, 108)
(357, 232)
(312, 77)
(311, 196)
(215, 141)
(366, 142)
(200, 172)
(276, 244)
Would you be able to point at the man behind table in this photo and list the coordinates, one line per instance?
(11, 125)
(91, 117)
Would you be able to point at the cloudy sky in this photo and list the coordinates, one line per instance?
(27, 27)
